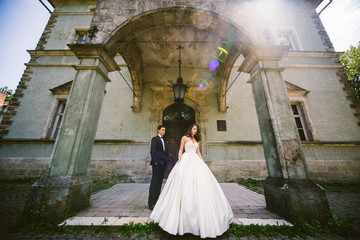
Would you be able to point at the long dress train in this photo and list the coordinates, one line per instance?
(192, 200)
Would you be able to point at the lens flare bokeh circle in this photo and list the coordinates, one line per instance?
(214, 64)
(220, 54)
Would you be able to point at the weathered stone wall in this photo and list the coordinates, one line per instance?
(254, 17)
(225, 171)
(327, 162)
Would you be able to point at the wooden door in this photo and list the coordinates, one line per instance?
(177, 118)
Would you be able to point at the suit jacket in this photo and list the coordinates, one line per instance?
(157, 151)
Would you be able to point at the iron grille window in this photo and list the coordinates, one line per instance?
(80, 37)
(299, 120)
(55, 126)
(286, 39)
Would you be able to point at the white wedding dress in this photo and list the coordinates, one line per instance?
(192, 200)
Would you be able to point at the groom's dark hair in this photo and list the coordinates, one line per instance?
(160, 126)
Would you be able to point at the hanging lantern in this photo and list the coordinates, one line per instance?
(179, 87)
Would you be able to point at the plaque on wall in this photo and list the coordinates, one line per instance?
(221, 125)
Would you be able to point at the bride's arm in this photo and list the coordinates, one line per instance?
(198, 152)
(181, 148)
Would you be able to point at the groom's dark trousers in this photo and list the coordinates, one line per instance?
(158, 168)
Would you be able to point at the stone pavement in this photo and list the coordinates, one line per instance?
(130, 200)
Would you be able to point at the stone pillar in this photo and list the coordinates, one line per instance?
(155, 120)
(66, 187)
(202, 124)
(289, 191)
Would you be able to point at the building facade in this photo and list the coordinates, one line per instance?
(137, 42)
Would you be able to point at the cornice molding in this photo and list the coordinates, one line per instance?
(50, 65)
(95, 51)
(304, 143)
(262, 53)
(52, 141)
(315, 54)
(51, 52)
(311, 66)
(56, 3)
(307, 54)
(211, 143)
(72, 13)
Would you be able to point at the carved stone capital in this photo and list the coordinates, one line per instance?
(222, 103)
(262, 53)
(155, 114)
(95, 51)
(201, 120)
(136, 107)
(203, 111)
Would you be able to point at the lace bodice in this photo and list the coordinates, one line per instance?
(191, 147)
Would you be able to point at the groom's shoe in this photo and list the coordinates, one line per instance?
(151, 207)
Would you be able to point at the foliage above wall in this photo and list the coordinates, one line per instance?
(8, 93)
(351, 61)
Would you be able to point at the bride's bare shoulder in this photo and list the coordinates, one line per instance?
(185, 138)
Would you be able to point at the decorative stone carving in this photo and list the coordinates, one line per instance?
(136, 107)
(202, 121)
(195, 98)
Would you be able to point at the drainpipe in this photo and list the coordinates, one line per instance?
(330, 1)
(45, 6)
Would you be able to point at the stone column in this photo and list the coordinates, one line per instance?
(155, 120)
(289, 191)
(66, 187)
(202, 124)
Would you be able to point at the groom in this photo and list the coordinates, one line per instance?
(157, 151)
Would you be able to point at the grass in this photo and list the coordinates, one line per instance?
(256, 186)
(341, 187)
(301, 229)
(253, 185)
(98, 185)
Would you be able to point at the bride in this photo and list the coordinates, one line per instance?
(192, 200)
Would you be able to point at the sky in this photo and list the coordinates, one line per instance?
(23, 22)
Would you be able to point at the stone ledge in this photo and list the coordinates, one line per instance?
(314, 54)
(304, 143)
(98, 141)
(119, 221)
(103, 221)
(224, 170)
(263, 222)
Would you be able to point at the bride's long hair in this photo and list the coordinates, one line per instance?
(197, 135)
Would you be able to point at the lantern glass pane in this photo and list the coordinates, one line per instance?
(176, 92)
(182, 92)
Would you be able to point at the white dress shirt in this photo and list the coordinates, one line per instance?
(162, 140)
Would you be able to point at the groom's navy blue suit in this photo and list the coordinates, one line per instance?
(157, 152)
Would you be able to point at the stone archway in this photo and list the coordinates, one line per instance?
(150, 40)
(66, 187)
